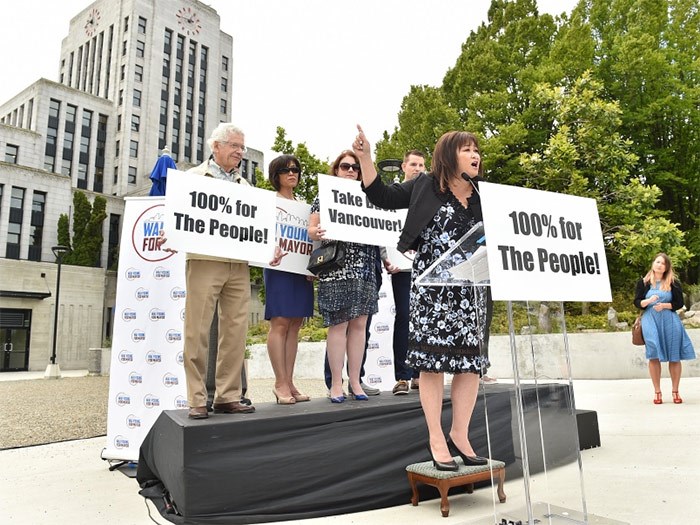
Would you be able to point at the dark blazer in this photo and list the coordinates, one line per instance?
(422, 197)
(642, 289)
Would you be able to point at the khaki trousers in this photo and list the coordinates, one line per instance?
(207, 282)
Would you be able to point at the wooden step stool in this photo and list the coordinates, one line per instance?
(443, 480)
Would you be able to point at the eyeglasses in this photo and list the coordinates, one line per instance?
(282, 171)
(234, 146)
(347, 167)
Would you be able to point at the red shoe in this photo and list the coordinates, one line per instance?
(657, 399)
(676, 398)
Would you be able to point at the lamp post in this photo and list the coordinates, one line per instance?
(392, 167)
(53, 371)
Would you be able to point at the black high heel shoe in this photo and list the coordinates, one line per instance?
(439, 465)
(469, 461)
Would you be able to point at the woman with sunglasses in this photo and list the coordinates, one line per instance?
(289, 297)
(346, 296)
(448, 327)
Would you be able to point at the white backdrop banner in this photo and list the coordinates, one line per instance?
(215, 217)
(543, 246)
(347, 215)
(146, 372)
(379, 365)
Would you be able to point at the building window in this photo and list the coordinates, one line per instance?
(135, 122)
(134, 149)
(117, 148)
(142, 25)
(124, 48)
(167, 41)
(126, 24)
(140, 49)
(224, 63)
(98, 183)
(122, 72)
(121, 97)
(66, 167)
(11, 152)
(224, 84)
(119, 122)
(14, 227)
(138, 73)
(113, 239)
(36, 228)
(132, 175)
(82, 176)
(137, 98)
(223, 106)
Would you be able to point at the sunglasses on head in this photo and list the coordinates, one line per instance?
(282, 171)
(346, 167)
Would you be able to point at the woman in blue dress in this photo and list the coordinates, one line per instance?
(448, 325)
(289, 297)
(659, 294)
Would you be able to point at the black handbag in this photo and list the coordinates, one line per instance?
(327, 258)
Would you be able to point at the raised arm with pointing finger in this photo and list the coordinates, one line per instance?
(448, 327)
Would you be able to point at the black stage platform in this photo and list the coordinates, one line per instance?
(318, 459)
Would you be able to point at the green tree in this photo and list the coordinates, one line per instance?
(647, 53)
(311, 166)
(490, 84)
(424, 116)
(87, 230)
(586, 155)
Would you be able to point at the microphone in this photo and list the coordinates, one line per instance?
(470, 181)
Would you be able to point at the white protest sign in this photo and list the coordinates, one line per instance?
(292, 236)
(216, 217)
(347, 215)
(543, 246)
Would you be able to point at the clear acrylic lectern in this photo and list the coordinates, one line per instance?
(543, 428)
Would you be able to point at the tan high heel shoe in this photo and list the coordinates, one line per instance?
(300, 397)
(281, 400)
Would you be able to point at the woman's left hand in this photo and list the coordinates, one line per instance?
(660, 306)
(277, 259)
(361, 146)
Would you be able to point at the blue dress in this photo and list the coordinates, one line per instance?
(664, 334)
(447, 327)
(287, 294)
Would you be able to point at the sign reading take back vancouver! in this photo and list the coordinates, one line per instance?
(543, 246)
(347, 215)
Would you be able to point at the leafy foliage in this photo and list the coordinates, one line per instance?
(311, 166)
(87, 230)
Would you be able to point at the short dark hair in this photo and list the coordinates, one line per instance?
(445, 155)
(283, 161)
(413, 152)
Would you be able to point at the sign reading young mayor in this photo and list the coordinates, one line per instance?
(347, 215)
(215, 217)
(292, 236)
(543, 246)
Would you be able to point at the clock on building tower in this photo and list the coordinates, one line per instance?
(93, 20)
(188, 20)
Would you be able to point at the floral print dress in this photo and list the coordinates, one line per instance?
(351, 291)
(447, 323)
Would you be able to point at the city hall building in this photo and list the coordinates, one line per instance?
(136, 77)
